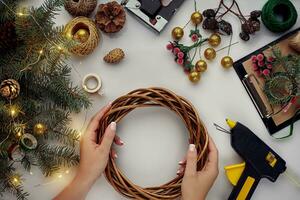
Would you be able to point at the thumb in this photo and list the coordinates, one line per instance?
(191, 161)
(108, 138)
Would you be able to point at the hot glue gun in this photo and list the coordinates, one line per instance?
(260, 162)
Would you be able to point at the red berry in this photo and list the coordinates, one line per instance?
(260, 57)
(180, 55)
(253, 58)
(176, 50)
(170, 46)
(180, 61)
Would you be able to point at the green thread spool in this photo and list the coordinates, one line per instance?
(279, 15)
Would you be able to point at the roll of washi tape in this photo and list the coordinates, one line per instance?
(279, 15)
(28, 142)
(92, 89)
(15, 153)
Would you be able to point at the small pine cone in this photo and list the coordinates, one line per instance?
(225, 27)
(244, 36)
(209, 13)
(255, 14)
(210, 24)
(248, 28)
(114, 56)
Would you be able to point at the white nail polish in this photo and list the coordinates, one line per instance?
(113, 126)
(178, 172)
(192, 147)
(116, 156)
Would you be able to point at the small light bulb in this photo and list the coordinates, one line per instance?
(59, 176)
(13, 112)
(31, 173)
(19, 134)
(20, 14)
(41, 51)
(16, 180)
(67, 171)
(59, 48)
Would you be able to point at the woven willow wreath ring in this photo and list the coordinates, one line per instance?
(148, 98)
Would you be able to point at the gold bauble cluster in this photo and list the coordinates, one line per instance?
(210, 53)
(227, 62)
(214, 40)
(194, 76)
(177, 33)
(196, 18)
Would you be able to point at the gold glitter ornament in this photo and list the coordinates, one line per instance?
(201, 66)
(227, 62)
(194, 76)
(82, 35)
(39, 128)
(214, 40)
(177, 33)
(196, 18)
(209, 53)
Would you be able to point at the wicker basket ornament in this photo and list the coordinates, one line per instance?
(80, 7)
(91, 43)
(147, 98)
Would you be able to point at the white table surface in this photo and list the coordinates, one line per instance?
(155, 139)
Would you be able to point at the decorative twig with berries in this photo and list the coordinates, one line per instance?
(182, 52)
(214, 20)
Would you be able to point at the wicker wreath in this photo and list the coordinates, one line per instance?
(146, 98)
(91, 43)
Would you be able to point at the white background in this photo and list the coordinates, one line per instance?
(155, 139)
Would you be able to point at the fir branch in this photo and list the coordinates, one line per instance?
(51, 158)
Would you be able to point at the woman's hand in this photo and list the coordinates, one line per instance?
(196, 184)
(93, 158)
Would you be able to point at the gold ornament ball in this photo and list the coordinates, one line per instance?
(227, 62)
(39, 128)
(177, 33)
(194, 76)
(214, 40)
(209, 53)
(82, 35)
(201, 66)
(196, 18)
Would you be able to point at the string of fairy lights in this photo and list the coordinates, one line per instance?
(15, 110)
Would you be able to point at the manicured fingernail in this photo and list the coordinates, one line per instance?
(109, 103)
(122, 142)
(192, 147)
(113, 126)
(181, 162)
(178, 172)
(115, 155)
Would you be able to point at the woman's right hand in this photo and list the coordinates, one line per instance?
(196, 184)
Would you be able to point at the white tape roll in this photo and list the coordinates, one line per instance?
(93, 89)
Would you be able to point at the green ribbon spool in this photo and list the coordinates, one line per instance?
(279, 15)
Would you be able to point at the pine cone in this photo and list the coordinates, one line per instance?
(110, 17)
(114, 56)
(9, 89)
